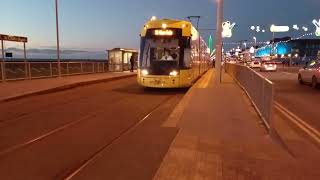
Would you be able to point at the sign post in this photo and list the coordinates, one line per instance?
(23, 40)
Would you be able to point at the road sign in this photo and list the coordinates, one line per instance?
(13, 38)
(9, 54)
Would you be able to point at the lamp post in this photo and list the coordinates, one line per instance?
(219, 41)
(255, 41)
(58, 40)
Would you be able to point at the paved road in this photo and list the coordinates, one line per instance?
(302, 100)
(103, 131)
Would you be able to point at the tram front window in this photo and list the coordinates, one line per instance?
(161, 56)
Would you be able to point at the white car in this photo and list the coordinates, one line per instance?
(310, 74)
(255, 64)
(268, 66)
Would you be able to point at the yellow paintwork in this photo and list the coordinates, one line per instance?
(187, 28)
(186, 78)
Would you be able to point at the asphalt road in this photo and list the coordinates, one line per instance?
(104, 131)
(302, 100)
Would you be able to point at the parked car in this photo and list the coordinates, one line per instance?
(255, 64)
(310, 74)
(268, 66)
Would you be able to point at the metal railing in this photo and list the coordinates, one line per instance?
(34, 70)
(259, 89)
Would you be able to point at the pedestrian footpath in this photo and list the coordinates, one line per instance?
(221, 137)
(11, 90)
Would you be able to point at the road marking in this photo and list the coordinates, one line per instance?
(308, 129)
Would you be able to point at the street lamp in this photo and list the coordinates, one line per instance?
(219, 41)
(58, 40)
(255, 41)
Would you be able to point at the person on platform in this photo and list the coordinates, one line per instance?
(132, 63)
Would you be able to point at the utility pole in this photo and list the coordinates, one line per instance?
(199, 45)
(219, 41)
(58, 40)
(3, 63)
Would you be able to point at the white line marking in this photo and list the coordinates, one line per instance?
(308, 129)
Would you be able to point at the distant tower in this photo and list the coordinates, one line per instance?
(210, 44)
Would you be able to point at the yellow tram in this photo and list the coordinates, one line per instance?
(172, 54)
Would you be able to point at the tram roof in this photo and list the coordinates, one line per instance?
(186, 26)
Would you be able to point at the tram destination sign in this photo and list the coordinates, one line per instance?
(13, 38)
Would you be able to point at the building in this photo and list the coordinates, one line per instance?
(286, 47)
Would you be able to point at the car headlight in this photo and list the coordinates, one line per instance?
(144, 72)
(173, 73)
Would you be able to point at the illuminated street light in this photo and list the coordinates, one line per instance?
(305, 28)
(258, 29)
(296, 27)
(275, 28)
(227, 29)
(153, 18)
(317, 24)
(252, 50)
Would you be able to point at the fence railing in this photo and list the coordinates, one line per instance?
(34, 70)
(259, 89)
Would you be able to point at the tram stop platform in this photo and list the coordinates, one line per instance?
(222, 137)
(11, 90)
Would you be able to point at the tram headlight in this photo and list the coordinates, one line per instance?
(173, 73)
(144, 72)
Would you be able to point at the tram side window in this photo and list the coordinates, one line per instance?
(187, 57)
(187, 52)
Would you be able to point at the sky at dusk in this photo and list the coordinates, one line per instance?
(92, 26)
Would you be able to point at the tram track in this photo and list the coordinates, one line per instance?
(126, 131)
(74, 135)
(74, 123)
(43, 136)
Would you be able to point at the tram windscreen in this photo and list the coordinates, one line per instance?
(161, 55)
